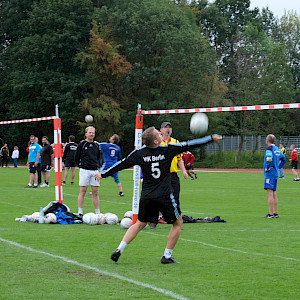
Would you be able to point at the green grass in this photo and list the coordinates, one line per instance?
(246, 258)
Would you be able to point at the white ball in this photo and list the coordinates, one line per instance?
(199, 124)
(89, 118)
(101, 219)
(128, 214)
(90, 219)
(111, 219)
(35, 216)
(126, 223)
(50, 218)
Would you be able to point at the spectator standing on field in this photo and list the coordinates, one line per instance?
(283, 150)
(111, 155)
(155, 161)
(273, 161)
(294, 162)
(47, 160)
(5, 155)
(32, 161)
(39, 166)
(189, 158)
(87, 157)
(69, 159)
(15, 156)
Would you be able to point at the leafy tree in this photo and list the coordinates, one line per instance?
(106, 68)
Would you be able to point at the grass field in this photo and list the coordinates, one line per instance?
(246, 258)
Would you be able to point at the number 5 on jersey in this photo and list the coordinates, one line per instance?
(155, 170)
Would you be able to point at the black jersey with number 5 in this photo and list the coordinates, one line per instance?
(155, 164)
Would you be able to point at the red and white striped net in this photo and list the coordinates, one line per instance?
(27, 120)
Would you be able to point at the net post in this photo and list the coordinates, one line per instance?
(58, 159)
(137, 169)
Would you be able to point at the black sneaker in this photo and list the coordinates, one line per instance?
(115, 256)
(196, 176)
(28, 186)
(268, 216)
(169, 260)
(72, 183)
(296, 179)
(35, 186)
(275, 216)
(121, 195)
(63, 183)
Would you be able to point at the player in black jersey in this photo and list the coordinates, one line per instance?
(69, 158)
(87, 157)
(155, 161)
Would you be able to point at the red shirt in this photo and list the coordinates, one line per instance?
(188, 159)
(294, 155)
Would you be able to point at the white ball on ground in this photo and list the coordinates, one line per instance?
(128, 214)
(35, 216)
(90, 219)
(50, 218)
(126, 223)
(89, 118)
(111, 219)
(101, 219)
(199, 124)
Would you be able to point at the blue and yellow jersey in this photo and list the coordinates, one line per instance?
(273, 161)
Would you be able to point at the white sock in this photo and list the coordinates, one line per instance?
(168, 253)
(35, 184)
(97, 211)
(29, 184)
(122, 246)
(80, 210)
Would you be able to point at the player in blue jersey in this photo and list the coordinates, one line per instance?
(111, 155)
(273, 161)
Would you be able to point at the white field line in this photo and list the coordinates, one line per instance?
(228, 249)
(97, 270)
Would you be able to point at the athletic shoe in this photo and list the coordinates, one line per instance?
(72, 183)
(296, 179)
(44, 185)
(121, 195)
(115, 256)
(63, 183)
(28, 186)
(162, 221)
(275, 216)
(282, 177)
(192, 178)
(268, 216)
(34, 186)
(196, 176)
(169, 260)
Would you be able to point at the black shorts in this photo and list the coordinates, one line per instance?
(149, 209)
(32, 168)
(294, 164)
(70, 164)
(189, 168)
(46, 168)
(175, 183)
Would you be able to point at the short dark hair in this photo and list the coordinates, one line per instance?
(148, 136)
(116, 139)
(45, 137)
(271, 138)
(72, 138)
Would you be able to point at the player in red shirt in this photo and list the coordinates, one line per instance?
(294, 162)
(189, 159)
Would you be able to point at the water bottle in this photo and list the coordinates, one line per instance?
(41, 216)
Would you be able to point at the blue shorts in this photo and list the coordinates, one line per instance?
(114, 176)
(270, 184)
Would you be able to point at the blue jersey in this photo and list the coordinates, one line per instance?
(33, 151)
(273, 161)
(111, 154)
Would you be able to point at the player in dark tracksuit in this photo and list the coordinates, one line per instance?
(155, 161)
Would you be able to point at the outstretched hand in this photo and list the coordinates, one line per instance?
(217, 138)
(98, 176)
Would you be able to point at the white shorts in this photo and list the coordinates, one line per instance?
(87, 177)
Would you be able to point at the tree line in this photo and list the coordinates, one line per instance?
(104, 57)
